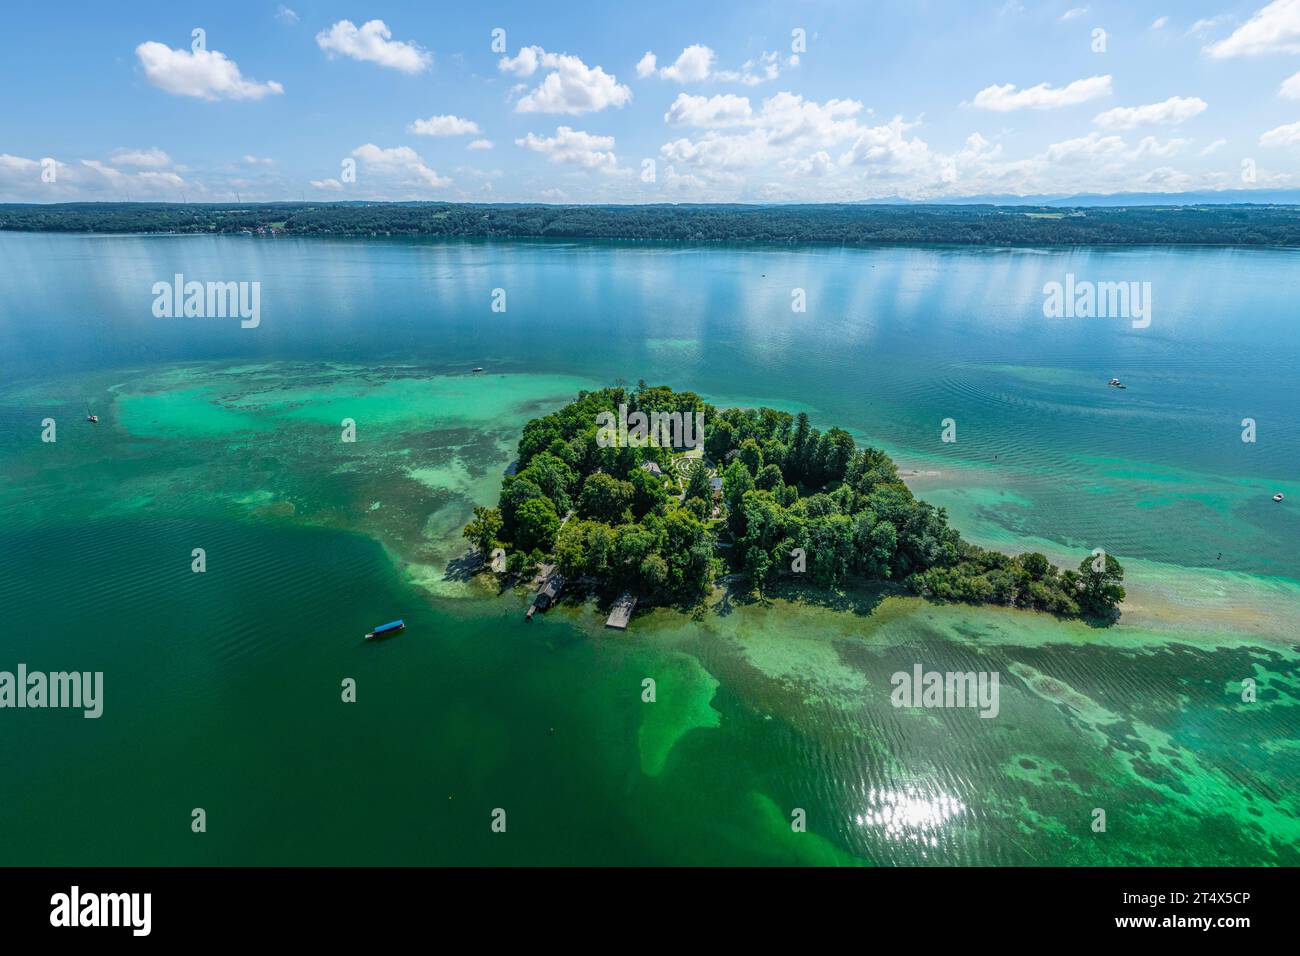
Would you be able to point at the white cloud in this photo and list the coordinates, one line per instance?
(572, 87)
(205, 74)
(786, 125)
(1088, 148)
(1201, 28)
(1273, 29)
(1166, 180)
(696, 63)
(480, 144)
(19, 166)
(331, 184)
(1073, 13)
(1291, 88)
(574, 147)
(725, 109)
(692, 65)
(1159, 23)
(1150, 146)
(120, 179)
(1213, 147)
(373, 43)
(285, 15)
(152, 158)
(525, 64)
(400, 162)
(1288, 135)
(258, 160)
(1174, 110)
(25, 180)
(1003, 99)
(446, 125)
(753, 72)
(888, 151)
(817, 165)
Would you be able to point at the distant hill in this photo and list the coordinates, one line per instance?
(1056, 223)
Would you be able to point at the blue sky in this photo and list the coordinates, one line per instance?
(913, 98)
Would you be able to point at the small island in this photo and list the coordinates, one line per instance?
(654, 493)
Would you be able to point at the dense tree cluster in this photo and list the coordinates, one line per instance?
(849, 224)
(624, 524)
(795, 502)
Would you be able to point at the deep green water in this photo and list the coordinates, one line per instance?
(222, 688)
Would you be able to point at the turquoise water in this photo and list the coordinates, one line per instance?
(222, 688)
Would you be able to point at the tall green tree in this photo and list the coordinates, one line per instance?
(1101, 589)
(484, 530)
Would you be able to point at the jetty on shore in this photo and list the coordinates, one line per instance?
(621, 612)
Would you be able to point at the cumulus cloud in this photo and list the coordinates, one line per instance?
(401, 163)
(1291, 88)
(204, 74)
(817, 165)
(785, 126)
(446, 125)
(1005, 98)
(888, 150)
(697, 63)
(1088, 148)
(1159, 23)
(1174, 110)
(753, 72)
(152, 158)
(1214, 147)
(133, 174)
(575, 148)
(118, 178)
(571, 87)
(692, 65)
(373, 42)
(331, 184)
(480, 144)
(1273, 29)
(21, 171)
(1150, 146)
(725, 109)
(1288, 135)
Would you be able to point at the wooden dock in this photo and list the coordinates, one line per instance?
(621, 612)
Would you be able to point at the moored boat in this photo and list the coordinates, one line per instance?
(384, 630)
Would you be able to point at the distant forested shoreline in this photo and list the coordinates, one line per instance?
(978, 225)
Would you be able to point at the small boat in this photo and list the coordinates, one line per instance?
(1116, 383)
(475, 371)
(93, 419)
(1279, 496)
(383, 630)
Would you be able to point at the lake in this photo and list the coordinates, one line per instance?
(222, 689)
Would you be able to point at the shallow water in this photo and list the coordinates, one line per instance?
(222, 689)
